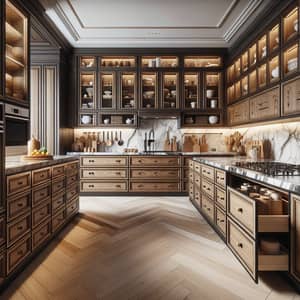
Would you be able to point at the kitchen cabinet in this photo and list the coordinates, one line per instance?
(291, 97)
(295, 236)
(238, 113)
(191, 98)
(213, 90)
(170, 90)
(108, 90)
(87, 90)
(149, 90)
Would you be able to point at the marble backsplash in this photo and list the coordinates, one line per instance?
(283, 138)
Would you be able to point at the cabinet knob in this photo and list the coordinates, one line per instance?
(91, 160)
(240, 245)
(118, 160)
(20, 252)
(20, 227)
(91, 173)
(91, 186)
(20, 204)
(240, 210)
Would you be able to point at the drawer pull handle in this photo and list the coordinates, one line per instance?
(240, 245)
(42, 194)
(20, 182)
(118, 173)
(91, 161)
(118, 160)
(240, 210)
(20, 204)
(20, 252)
(140, 185)
(140, 161)
(208, 209)
(155, 161)
(91, 186)
(20, 227)
(42, 233)
(118, 185)
(91, 173)
(42, 175)
(140, 173)
(222, 221)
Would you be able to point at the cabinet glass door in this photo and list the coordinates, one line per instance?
(87, 90)
(170, 90)
(107, 90)
(149, 90)
(191, 90)
(212, 93)
(128, 90)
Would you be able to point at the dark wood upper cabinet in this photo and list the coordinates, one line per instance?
(149, 90)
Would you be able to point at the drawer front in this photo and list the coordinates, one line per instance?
(18, 205)
(41, 213)
(208, 172)
(2, 229)
(41, 234)
(58, 185)
(58, 171)
(191, 164)
(17, 254)
(58, 202)
(221, 221)
(103, 186)
(185, 173)
(221, 178)
(208, 207)
(208, 188)
(242, 246)
(18, 228)
(41, 194)
(155, 161)
(104, 161)
(72, 208)
(197, 167)
(197, 180)
(18, 183)
(41, 176)
(242, 209)
(72, 192)
(221, 198)
(71, 179)
(185, 161)
(291, 97)
(103, 173)
(197, 196)
(239, 113)
(72, 168)
(58, 220)
(154, 187)
(191, 190)
(2, 266)
(163, 174)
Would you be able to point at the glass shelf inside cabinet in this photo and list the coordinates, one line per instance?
(15, 53)
(274, 69)
(149, 90)
(253, 81)
(87, 90)
(262, 75)
(159, 61)
(202, 61)
(212, 89)
(128, 90)
(290, 59)
(170, 90)
(107, 96)
(252, 55)
(290, 25)
(191, 90)
(87, 62)
(274, 38)
(262, 47)
(237, 67)
(245, 61)
(118, 61)
(245, 86)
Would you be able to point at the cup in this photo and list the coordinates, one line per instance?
(213, 103)
(193, 104)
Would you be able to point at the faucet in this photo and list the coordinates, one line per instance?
(151, 140)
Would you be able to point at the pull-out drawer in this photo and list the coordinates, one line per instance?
(58, 220)
(58, 202)
(155, 161)
(191, 190)
(207, 207)
(105, 161)
(58, 185)
(197, 167)
(157, 173)
(208, 172)
(41, 234)
(154, 187)
(72, 208)
(221, 221)
(71, 179)
(103, 173)
(221, 178)
(18, 205)
(191, 164)
(72, 192)
(41, 176)
(41, 194)
(17, 254)
(18, 228)
(221, 198)
(2, 229)
(103, 186)
(197, 196)
(58, 171)
(207, 188)
(41, 213)
(2, 265)
(197, 180)
(18, 183)
(72, 168)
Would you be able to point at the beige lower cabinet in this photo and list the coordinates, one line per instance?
(291, 97)
(295, 236)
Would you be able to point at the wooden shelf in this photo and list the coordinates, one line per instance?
(13, 65)
(12, 34)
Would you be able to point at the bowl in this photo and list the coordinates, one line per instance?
(292, 64)
(86, 119)
(213, 119)
(275, 72)
(296, 25)
(173, 93)
(106, 121)
(210, 93)
(107, 92)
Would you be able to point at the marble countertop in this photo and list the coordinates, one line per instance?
(288, 183)
(15, 164)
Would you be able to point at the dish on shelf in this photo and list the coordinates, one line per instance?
(292, 64)
(275, 72)
(213, 119)
(90, 91)
(295, 25)
(86, 119)
(106, 97)
(107, 92)
(210, 93)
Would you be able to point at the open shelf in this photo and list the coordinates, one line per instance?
(117, 120)
(290, 59)
(262, 47)
(202, 61)
(237, 67)
(118, 61)
(252, 55)
(290, 25)
(262, 76)
(274, 39)
(245, 85)
(201, 119)
(87, 62)
(274, 69)
(160, 61)
(245, 62)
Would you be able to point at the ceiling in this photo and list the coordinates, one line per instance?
(152, 23)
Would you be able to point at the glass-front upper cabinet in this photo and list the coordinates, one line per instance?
(87, 62)
(170, 93)
(262, 47)
(87, 90)
(16, 52)
(191, 90)
(274, 39)
(290, 25)
(149, 90)
(213, 85)
(107, 90)
(128, 90)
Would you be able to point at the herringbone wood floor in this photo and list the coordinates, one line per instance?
(141, 248)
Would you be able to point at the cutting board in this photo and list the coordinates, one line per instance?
(187, 144)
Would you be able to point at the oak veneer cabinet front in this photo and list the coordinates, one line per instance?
(295, 236)
(239, 113)
(156, 161)
(291, 97)
(104, 161)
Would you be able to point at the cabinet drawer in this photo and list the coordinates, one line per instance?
(197, 167)
(103, 186)
(242, 246)
(110, 161)
(185, 161)
(58, 171)
(291, 97)
(221, 178)
(18, 205)
(239, 113)
(221, 221)
(185, 173)
(2, 266)
(17, 254)
(191, 190)
(18, 183)
(155, 161)
(41, 194)
(41, 213)
(72, 168)
(18, 228)
(58, 202)
(58, 220)
(191, 164)
(72, 208)
(58, 185)
(71, 179)
(72, 192)
(154, 187)
(208, 172)
(208, 188)
(41, 176)
(208, 207)
(2, 229)
(163, 174)
(197, 180)
(41, 234)
(242, 209)
(221, 198)
(197, 196)
(103, 173)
